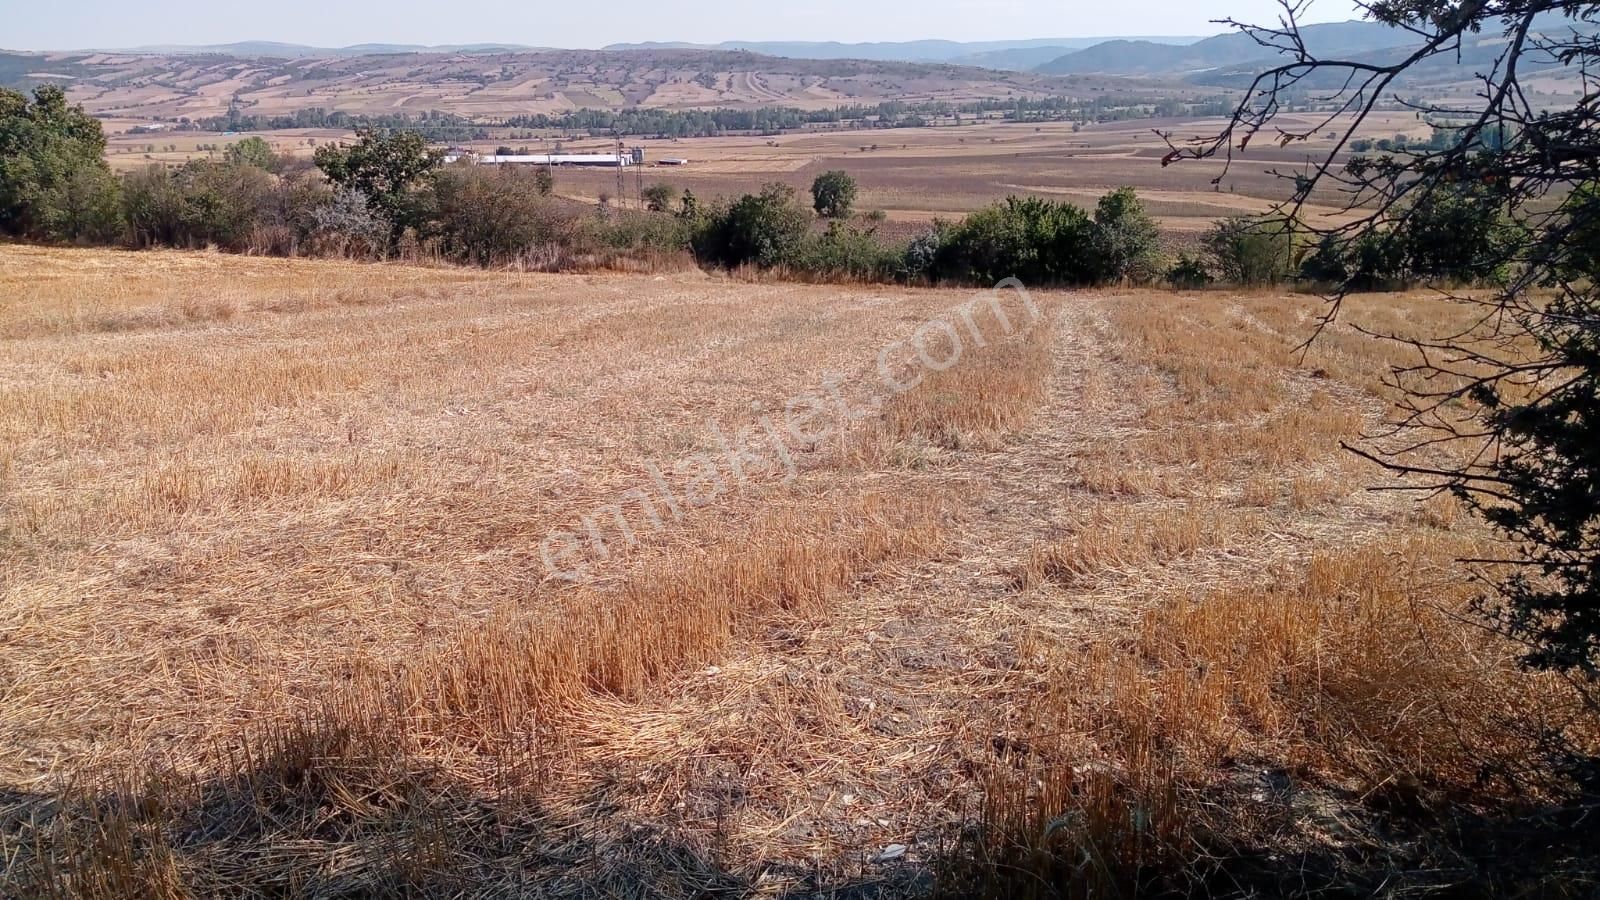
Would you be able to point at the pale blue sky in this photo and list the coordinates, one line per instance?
(30, 25)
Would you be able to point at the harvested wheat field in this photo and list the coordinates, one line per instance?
(329, 579)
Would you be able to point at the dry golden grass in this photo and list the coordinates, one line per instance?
(1217, 719)
(262, 502)
(1279, 705)
(965, 405)
(277, 620)
(1127, 538)
(316, 596)
(676, 614)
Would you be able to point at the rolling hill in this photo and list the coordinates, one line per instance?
(992, 54)
(499, 83)
(1138, 57)
(297, 51)
(1232, 60)
(1016, 55)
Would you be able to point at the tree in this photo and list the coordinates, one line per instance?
(1127, 240)
(658, 197)
(489, 214)
(54, 183)
(384, 169)
(765, 229)
(206, 202)
(1038, 241)
(252, 151)
(1521, 387)
(833, 194)
(1251, 251)
(688, 205)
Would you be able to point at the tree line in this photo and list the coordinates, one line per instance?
(389, 193)
(436, 125)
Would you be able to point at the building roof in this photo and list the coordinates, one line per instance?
(547, 159)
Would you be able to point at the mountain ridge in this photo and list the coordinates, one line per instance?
(930, 50)
(1136, 57)
(1014, 55)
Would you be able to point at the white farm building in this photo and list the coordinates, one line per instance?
(611, 160)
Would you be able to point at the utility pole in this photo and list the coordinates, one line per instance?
(622, 181)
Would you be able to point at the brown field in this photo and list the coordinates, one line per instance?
(914, 174)
(278, 614)
(918, 174)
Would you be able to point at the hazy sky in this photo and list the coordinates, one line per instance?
(30, 25)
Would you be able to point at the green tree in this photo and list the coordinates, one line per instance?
(1039, 241)
(658, 197)
(1127, 241)
(765, 229)
(385, 169)
(489, 214)
(54, 183)
(833, 194)
(1251, 251)
(252, 151)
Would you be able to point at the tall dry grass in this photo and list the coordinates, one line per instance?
(1308, 707)
(973, 405)
(1234, 720)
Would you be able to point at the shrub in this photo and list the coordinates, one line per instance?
(297, 200)
(152, 205)
(1327, 264)
(85, 208)
(1455, 235)
(1251, 251)
(1373, 261)
(1037, 241)
(203, 203)
(349, 225)
(223, 202)
(1459, 235)
(630, 231)
(1189, 273)
(922, 254)
(764, 229)
(487, 214)
(843, 252)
